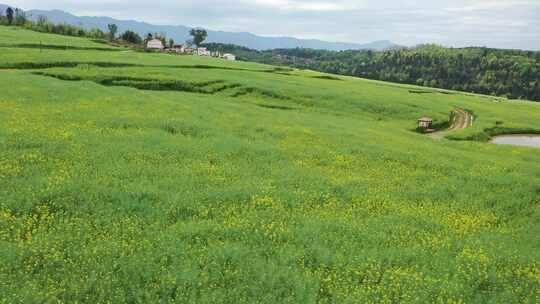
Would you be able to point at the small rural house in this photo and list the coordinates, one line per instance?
(155, 44)
(203, 51)
(229, 57)
(189, 51)
(425, 122)
(178, 48)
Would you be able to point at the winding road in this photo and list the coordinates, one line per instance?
(461, 120)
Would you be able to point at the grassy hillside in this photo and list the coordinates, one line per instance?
(15, 36)
(140, 178)
(509, 73)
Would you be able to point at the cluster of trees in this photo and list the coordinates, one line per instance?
(13, 17)
(17, 17)
(507, 73)
(199, 35)
(131, 37)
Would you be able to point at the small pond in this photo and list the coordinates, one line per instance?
(527, 140)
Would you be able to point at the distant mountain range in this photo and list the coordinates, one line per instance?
(180, 33)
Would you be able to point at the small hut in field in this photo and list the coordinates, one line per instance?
(425, 122)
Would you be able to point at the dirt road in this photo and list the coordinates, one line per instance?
(461, 120)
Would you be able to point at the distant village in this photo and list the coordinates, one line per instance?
(157, 45)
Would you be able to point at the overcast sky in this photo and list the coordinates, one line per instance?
(493, 23)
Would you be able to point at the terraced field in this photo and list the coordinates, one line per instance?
(128, 177)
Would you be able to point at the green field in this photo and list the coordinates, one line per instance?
(128, 177)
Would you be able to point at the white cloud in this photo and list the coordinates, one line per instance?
(322, 6)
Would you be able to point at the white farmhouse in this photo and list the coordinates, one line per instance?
(155, 44)
(203, 51)
(229, 57)
(178, 48)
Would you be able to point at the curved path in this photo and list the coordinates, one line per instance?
(461, 120)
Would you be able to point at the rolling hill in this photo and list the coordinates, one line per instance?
(130, 177)
(506, 73)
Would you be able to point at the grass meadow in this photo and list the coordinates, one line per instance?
(128, 177)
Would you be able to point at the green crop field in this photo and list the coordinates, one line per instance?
(128, 177)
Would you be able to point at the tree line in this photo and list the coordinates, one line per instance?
(17, 17)
(507, 73)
